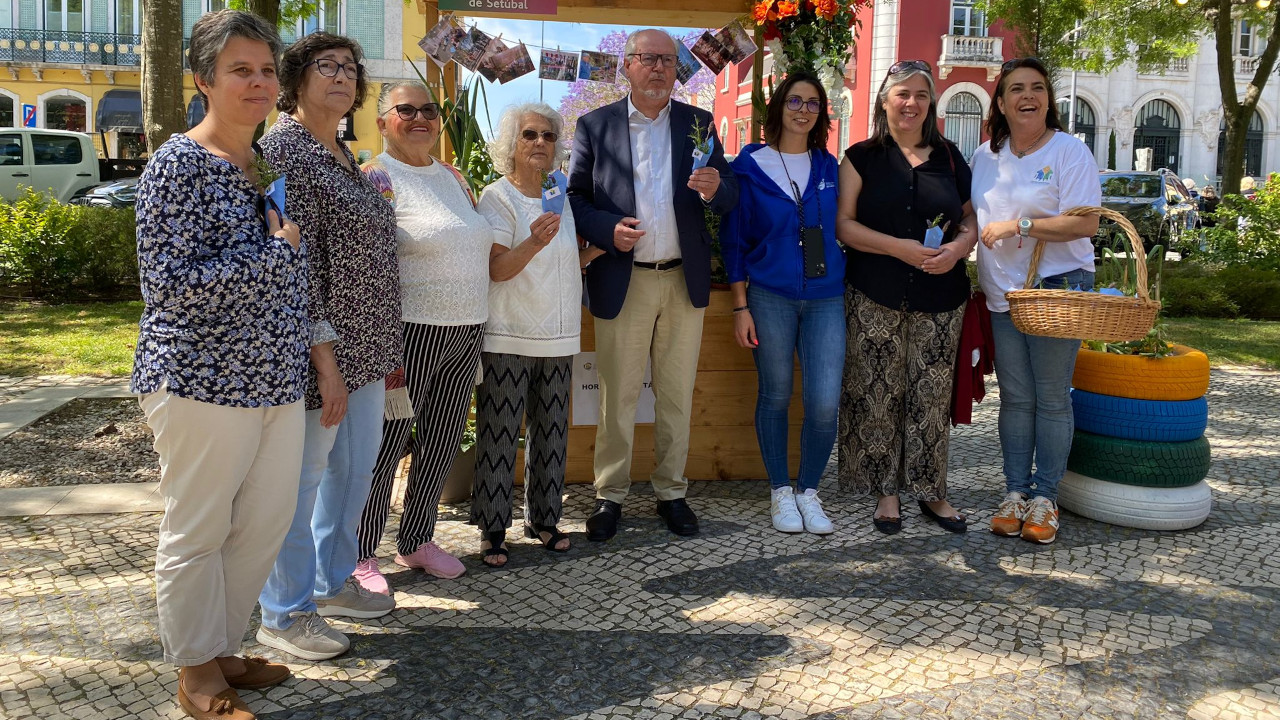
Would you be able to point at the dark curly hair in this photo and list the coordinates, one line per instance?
(773, 116)
(295, 61)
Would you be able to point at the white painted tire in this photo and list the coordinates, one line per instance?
(1145, 508)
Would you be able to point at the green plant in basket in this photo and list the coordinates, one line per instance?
(1120, 273)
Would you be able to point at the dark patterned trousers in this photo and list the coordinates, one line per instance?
(440, 372)
(520, 387)
(895, 405)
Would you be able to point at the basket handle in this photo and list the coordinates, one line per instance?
(1131, 233)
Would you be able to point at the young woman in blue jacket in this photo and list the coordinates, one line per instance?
(786, 271)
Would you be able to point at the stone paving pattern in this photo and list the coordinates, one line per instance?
(739, 622)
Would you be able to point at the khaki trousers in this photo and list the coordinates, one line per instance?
(229, 480)
(657, 322)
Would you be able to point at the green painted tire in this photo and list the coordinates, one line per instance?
(1140, 463)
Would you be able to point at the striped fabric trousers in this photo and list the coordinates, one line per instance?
(440, 371)
(517, 387)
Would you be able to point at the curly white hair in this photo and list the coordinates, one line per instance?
(502, 148)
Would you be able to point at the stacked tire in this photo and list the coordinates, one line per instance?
(1139, 456)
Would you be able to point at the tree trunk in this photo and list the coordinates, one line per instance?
(163, 107)
(1237, 111)
(268, 10)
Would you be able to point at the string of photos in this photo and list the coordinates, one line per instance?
(451, 40)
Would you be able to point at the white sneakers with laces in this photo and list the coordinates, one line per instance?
(786, 516)
(815, 521)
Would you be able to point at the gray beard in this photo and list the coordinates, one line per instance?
(656, 94)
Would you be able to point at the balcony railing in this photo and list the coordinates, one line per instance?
(1179, 66)
(72, 48)
(968, 51)
(1246, 65)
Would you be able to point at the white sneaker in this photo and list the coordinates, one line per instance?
(782, 505)
(309, 637)
(810, 507)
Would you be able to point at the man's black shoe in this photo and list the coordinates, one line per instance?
(679, 516)
(603, 523)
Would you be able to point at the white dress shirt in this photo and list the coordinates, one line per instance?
(655, 195)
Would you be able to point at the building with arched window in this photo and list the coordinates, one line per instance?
(962, 122)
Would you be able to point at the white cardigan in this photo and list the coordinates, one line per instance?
(538, 312)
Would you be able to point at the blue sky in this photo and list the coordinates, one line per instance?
(565, 36)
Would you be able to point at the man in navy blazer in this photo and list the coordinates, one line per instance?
(635, 195)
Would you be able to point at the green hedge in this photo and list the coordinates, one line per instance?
(52, 251)
(1190, 289)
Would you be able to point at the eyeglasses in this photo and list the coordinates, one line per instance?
(795, 102)
(651, 59)
(547, 136)
(407, 112)
(329, 68)
(903, 65)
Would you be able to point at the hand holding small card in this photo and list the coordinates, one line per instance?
(274, 193)
(702, 156)
(553, 189)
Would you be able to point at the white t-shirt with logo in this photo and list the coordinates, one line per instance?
(1057, 177)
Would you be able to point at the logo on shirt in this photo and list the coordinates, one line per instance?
(1043, 175)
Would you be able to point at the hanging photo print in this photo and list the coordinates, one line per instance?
(598, 67)
(735, 37)
(688, 65)
(472, 49)
(713, 55)
(729, 44)
(440, 43)
(512, 63)
(487, 69)
(556, 65)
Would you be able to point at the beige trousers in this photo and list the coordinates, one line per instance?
(229, 480)
(657, 321)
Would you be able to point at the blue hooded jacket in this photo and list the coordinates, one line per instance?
(760, 238)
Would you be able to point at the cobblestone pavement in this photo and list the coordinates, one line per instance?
(739, 622)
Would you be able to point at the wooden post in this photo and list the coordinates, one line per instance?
(757, 83)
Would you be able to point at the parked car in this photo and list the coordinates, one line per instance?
(58, 162)
(1157, 204)
(117, 193)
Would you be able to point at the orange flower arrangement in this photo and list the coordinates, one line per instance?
(813, 35)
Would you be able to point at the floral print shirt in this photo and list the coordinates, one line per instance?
(350, 234)
(225, 316)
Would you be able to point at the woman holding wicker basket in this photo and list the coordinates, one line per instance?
(1023, 179)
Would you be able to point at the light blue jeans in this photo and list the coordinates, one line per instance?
(319, 553)
(1036, 422)
(815, 329)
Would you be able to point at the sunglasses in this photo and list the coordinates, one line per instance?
(547, 136)
(407, 112)
(904, 65)
(795, 102)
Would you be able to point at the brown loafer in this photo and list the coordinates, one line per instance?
(226, 705)
(259, 673)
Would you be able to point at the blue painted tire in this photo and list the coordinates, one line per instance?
(1148, 420)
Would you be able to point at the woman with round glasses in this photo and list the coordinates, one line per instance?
(350, 234)
(1023, 178)
(905, 214)
(443, 252)
(535, 317)
(786, 272)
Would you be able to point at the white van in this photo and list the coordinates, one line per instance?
(58, 162)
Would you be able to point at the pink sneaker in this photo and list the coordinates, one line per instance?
(370, 577)
(430, 559)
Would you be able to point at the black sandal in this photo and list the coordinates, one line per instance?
(535, 532)
(496, 540)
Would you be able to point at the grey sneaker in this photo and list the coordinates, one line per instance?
(354, 601)
(309, 637)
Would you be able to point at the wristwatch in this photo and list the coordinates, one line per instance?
(1024, 226)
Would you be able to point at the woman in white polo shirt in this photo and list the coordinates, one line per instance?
(1023, 179)
(535, 317)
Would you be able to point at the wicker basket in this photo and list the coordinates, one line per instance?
(1086, 315)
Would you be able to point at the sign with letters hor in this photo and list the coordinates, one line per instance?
(586, 392)
(529, 7)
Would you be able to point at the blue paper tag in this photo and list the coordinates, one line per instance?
(700, 159)
(553, 198)
(933, 237)
(275, 197)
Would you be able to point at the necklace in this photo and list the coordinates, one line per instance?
(1033, 145)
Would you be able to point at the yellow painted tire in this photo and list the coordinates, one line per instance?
(1184, 375)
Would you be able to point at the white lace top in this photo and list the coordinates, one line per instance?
(442, 245)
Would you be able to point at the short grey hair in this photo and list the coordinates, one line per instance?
(502, 148)
(630, 47)
(384, 100)
(211, 32)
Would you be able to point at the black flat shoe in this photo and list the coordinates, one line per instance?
(679, 516)
(534, 532)
(887, 525)
(603, 523)
(496, 539)
(956, 524)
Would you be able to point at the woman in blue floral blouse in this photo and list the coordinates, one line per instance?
(220, 367)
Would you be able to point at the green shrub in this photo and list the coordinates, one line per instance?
(1196, 297)
(1255, 291)
(58, 252)
(1247, 231)
(1197, 289)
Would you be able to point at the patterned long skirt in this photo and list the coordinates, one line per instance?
(895, 404)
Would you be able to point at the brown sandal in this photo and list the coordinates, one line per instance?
(259, 673)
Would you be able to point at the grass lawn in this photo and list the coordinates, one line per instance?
(82, 339)
(98, 339)
(1229, 342)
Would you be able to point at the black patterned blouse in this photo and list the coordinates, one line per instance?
(225, 316)
(350, 234)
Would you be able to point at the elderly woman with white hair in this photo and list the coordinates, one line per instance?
(535, 313)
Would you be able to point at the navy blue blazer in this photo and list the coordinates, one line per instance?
(602, 192)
